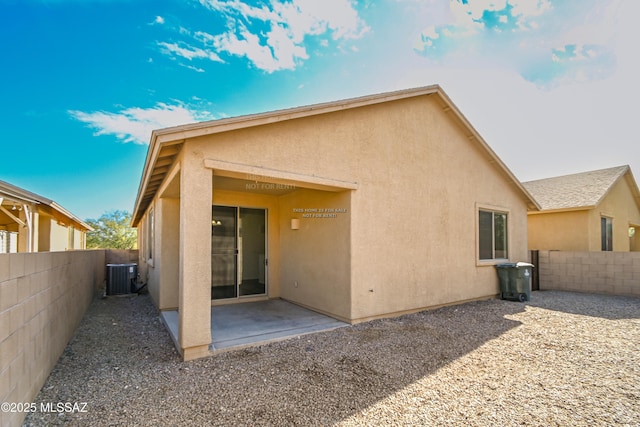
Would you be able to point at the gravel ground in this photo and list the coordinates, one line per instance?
(563, 359)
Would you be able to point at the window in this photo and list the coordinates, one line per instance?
(8, 242)
(150, 235)
(606, 232)
(492, 235)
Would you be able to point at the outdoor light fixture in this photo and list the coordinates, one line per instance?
(216, 222)
(632, 231)
(295, 224)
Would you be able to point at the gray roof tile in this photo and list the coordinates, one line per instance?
(580, 190)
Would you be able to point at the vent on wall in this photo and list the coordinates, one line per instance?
(121, 278)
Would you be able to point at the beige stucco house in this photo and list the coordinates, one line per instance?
(358, 209)
(590, 211)
(32, 223)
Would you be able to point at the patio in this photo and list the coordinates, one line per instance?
(240, 325)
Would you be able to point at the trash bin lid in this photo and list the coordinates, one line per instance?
(507, 265)
(524, 264)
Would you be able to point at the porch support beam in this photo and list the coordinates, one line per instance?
(29, 218)
(194, 293)
(12, 216)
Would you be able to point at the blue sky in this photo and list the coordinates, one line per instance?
(550, 84)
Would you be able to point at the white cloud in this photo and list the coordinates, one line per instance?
(547, 42)
(230, 7)
(188, 52)
(136, 124)
(249, 46)
(191, 67)
(159, 20)
(272, 36)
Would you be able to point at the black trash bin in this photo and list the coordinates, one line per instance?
(515, 280)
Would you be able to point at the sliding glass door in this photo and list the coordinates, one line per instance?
(238, 252)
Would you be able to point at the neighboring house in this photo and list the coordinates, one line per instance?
(359, 209)
(32, 223)
(590, 211)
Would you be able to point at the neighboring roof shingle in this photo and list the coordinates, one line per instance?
(580, 190)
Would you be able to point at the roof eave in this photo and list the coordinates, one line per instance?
(532, 204)
(135, 216)
(181, 133)
(71, 216)
(194, 130)
(562, 210)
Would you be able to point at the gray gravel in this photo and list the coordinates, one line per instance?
(563, 359)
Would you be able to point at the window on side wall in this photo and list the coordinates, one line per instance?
(150, 235)
(606, 232)
(492, 235)
(8, 242)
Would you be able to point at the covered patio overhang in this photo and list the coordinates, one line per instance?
(285, 181)
(183, 216)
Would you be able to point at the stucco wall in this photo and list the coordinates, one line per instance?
(167, 244)
(619, 205)
(615, 273)
(414, 215)
(316, 258)
(44, 233)
(59, 237)
(43, 297)
(563, 231)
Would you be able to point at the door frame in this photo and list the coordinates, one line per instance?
(239, 254)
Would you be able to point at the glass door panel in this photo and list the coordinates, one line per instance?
(238, 252)
(252, 254)
(224, 252)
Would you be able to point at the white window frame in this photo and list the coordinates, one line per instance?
(495, 210)
(608, 220)
(150, 237)
(8, 242)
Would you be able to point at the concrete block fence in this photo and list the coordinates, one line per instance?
(616, 273)
(43, 297)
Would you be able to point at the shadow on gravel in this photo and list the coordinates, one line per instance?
(122, 363)
(610, 307)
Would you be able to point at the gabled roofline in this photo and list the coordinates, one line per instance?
(561, 210)
(625, 172)
(32, 198)
(177, 135)
(633, 185)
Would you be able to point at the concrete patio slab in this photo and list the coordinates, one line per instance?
(248, 324)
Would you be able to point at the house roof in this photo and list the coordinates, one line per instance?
(579, 191)
(165, 144)
(13, 193)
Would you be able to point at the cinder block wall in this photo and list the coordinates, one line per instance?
(616, 273)
(43, 297)
(122, 256)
